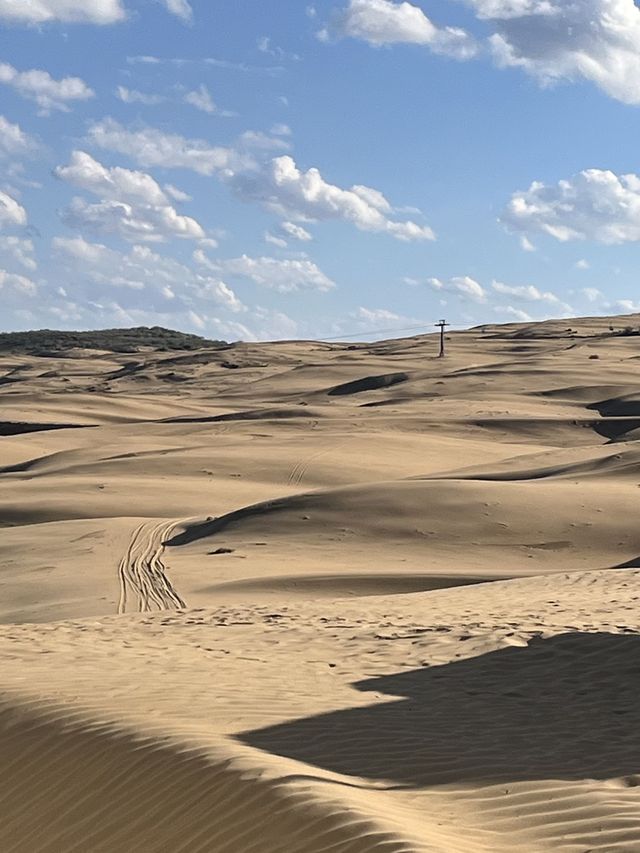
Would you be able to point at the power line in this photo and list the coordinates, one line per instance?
(348, 335)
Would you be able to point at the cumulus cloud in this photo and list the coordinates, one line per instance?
(551, 40)
(14, 142)
(11, 213)
(142, 269)
(277, 183)
(593, 205)
(18, 249)
(595, 40)
(113, 183)
(288, 191)
(582, 264)
(66, 11)
(284, 276)
(132, 204)
(39, 86)
(382, 22)
(131, 222)
(464, 286)
(151, 147)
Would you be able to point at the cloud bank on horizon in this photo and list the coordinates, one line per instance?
(343, 168)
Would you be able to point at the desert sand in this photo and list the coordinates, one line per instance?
(299, 597)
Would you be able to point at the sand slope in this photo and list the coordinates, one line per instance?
(245, 602)
(497, 717)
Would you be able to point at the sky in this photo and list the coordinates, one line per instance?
(269, 169)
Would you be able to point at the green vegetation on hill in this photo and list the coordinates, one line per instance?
(114, 340)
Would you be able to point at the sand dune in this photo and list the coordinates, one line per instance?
(315, 597)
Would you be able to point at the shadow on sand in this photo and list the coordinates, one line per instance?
(561, 708)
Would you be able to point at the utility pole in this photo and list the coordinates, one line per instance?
(442, 324)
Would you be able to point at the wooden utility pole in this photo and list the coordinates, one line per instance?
(442, 324)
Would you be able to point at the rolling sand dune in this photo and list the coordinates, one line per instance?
(319, 597)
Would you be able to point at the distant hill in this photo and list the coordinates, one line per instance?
(44, 341)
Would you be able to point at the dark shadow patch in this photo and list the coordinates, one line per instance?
(563, 708)
(616, 428)
(251, 415)
(627, 406)
(19, 427)
(367, 383)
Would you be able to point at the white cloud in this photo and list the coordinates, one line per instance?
(132, 204)
(11, 213)
(143, 269)
(382, 22)
(276, 183)
(551, 40)
(151, 147)
(14, 142)
(296, 231)
(528, 293)
(114, 183)
(582, 264)
(517, 313)
(67, 11)
(133, 96)
(284, 276)
(464, 286)
(592, 294)
(526, 245)
(175, 193)
(80, 250)
(596, 40)
(280, 242)
(20, 250)
(201, 99)
(216, 289)
(134, 223)
(627, 305)
(256, 139)
(181, 8)
(19, 284)
(39, 86)
(593, 205)
(283, 188)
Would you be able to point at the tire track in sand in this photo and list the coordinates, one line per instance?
(142, 572)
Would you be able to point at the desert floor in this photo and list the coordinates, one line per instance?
(305, 597)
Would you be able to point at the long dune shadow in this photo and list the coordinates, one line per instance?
(562, 708)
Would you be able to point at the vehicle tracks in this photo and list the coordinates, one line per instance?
(142, 572)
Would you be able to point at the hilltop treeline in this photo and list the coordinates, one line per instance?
(43, 341)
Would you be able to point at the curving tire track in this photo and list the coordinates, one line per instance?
(142, 572)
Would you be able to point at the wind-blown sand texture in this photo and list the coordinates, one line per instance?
(324, 597)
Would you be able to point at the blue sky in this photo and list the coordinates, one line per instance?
(265, 169)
